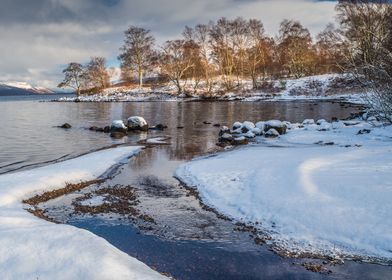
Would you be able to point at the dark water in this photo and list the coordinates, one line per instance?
(187, 241)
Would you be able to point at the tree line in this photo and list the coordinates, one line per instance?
(224, 53)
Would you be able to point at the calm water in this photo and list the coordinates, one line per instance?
(29, 135)
(187, 241)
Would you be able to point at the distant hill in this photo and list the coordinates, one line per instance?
(21, 88)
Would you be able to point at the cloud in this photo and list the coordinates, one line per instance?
(39, 37)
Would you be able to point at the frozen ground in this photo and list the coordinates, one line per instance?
(31, 248)
(321, 87)
(331, 198)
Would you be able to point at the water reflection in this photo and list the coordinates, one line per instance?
(29, 134)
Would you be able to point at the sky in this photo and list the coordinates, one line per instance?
(39, 37)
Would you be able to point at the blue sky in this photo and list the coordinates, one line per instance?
(40, 36)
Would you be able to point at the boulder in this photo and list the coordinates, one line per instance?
(279, 126)
(137, 123)
(118, 126)
(324, 126)
(257, 131)
(260, 125)
(319, 122)
(248, 125)
(272, 133)
(237, 125)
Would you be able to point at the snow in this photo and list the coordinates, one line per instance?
(274, 123)
(319, 87)
(332, 200)
(31, 248)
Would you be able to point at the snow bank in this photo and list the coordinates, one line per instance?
(332, 199)
(31, 248)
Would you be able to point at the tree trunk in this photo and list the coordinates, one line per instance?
(140, 78)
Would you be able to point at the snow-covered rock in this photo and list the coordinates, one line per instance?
(118, 129)
(271, 133)
(277, 125)
(308, 122)
(237, 125)
(137, 123)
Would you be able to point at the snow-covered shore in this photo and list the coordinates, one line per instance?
(319, 189)
(321, 87)
(31, 248)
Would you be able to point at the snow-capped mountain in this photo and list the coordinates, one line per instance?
(21, 88)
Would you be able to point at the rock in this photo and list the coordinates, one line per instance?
(364, 131)
(308, 122)
(66, 126)
(137, 123)
(240, 141)
(372, 119)
(244, 129)
(237, 125)
(205, 122)
(118, 134)
(324, 126)
(118, 126)
(223, 130)
(158, 127)
(288, 124)
(226, 137)
(279, 126)
(217, 125)
(93, 128)
(99, 129)
(106, 129)
(180, 127)
(272, 133)
(319, 122)
(337, 125)
(260, 125)
(257, 131)
(248, 125)
(249, 134)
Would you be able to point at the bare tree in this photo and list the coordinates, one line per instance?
(367, 27)
(200, 36)
(295, 47)
(176, 59)
(331, 50)
(74, 77)
(97, 77)
(223, 50)
(137, 53)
